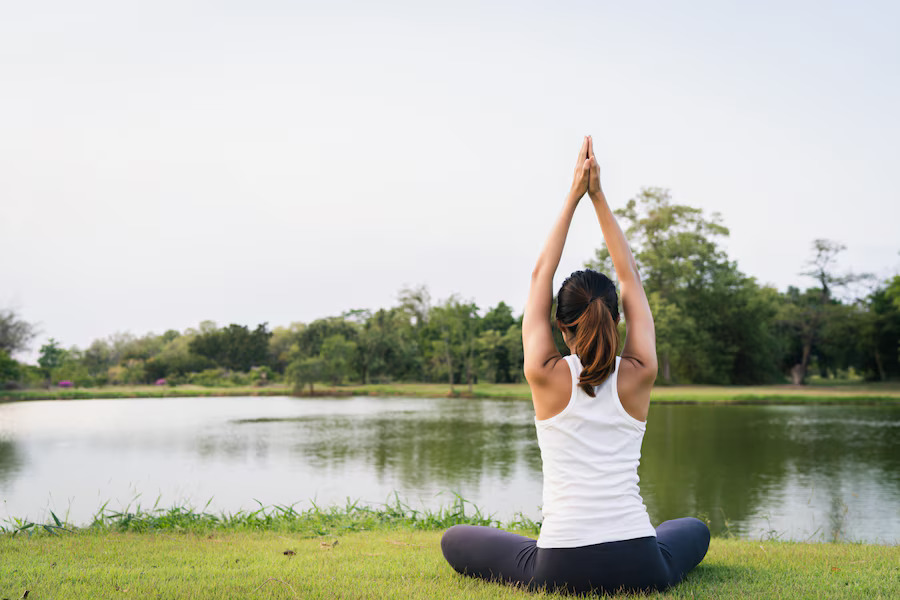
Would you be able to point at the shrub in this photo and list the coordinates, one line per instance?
(74, 373)
(208, 378)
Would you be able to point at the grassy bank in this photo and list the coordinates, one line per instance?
(351, 553)
(142, 391)
(861, 393)
(390, 564)
(873, 393)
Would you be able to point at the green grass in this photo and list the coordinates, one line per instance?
(362, 552)
(851, 393)
(315, 521)
(397, 563)
(867, 393)
(142, 391)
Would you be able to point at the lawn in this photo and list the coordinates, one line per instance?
(398, 562)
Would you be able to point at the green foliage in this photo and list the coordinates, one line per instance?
(303, 371)
(261, 376)
(499, 346)
(130, 372)
(73, 371)
(673, 244)
(311, 338)
(52, 356)
(234, 347)
(15, 333)
(820, 330)
(387, 347)
(713, 323)
(280, 344)
(9, 369)
(337, 357)
(452, 331)
(879, 328)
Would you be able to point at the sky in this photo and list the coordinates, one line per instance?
(164, 163)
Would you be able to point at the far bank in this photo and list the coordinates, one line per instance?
(855, 394)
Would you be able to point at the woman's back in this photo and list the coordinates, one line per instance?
(590, 409)
(590, 454)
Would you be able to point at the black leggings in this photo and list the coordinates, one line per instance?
(641, 564)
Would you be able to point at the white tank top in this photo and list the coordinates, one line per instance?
(591, 452)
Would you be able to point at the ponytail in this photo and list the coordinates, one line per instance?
(588, 307)
(596, 342)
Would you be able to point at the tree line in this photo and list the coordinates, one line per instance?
(714, 324)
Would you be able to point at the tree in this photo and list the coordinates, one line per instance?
(808, 314)
(52, 356)
(9, 369)
(15, 333)
(735, 335)
(417, 302)
(672, 243)
(453, 331)
(879, 333)
(822, 265)
(675, 333)
(234, 347)
(176, 359)
(676, 249)
(98, 357)
(304, 371)
(493, 351)
(280, 344)
(512, 342)
(492, 362)
(337, 357)
(310, 339)
(74, 371)
(386, 345)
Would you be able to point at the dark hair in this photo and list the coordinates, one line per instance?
(588, 306)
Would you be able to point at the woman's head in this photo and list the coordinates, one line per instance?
(587, 313)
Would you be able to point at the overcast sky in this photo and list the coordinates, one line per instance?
(162, 163)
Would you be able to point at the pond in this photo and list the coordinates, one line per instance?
(816, 473)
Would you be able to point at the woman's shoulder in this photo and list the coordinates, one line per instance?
(552, 399)
(633, 386)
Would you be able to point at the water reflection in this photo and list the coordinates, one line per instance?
(10, 461)
(796, 472)
(791, 472)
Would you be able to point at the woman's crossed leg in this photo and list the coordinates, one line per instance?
(640, 564)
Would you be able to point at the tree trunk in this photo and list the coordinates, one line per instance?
(879, 364)
(469, 373)
(798, 371)
(667, 370)
(450, 370)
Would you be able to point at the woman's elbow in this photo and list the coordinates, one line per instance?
(651, 368)
(535, 374)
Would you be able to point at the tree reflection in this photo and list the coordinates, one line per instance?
(455, 445)
(726, 463)
(11, 461)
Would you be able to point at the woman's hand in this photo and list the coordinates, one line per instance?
(594, 188)
(582, 171)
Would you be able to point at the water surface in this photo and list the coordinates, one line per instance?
(798, 472)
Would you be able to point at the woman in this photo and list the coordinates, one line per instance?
(590, 414)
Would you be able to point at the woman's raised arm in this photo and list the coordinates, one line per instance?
(639, 366)
(541, 355)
